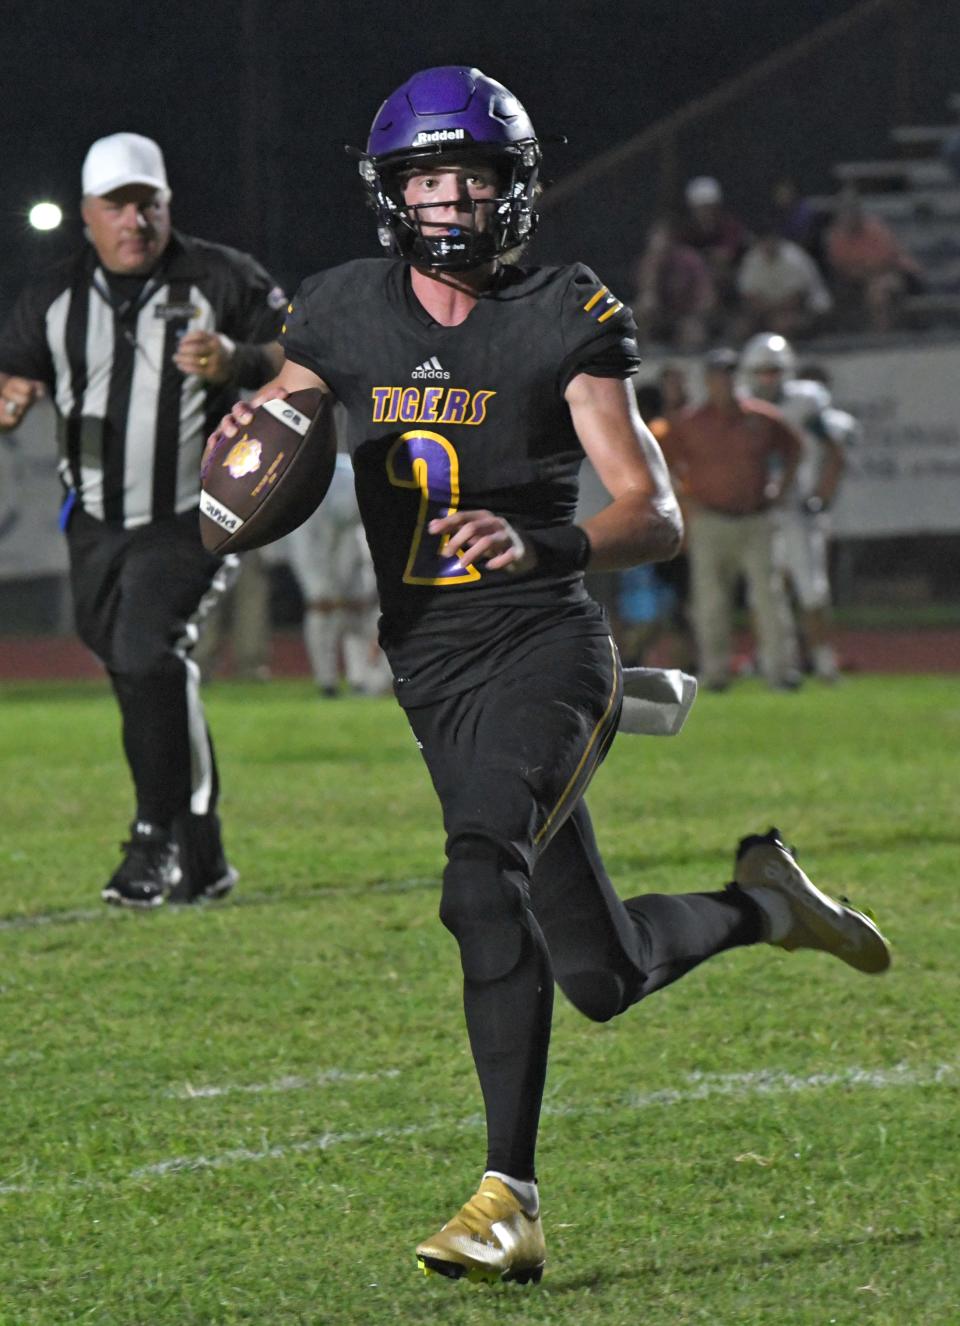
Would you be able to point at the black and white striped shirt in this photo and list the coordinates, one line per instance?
(131, 426)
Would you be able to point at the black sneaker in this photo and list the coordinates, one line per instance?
(149, 870)
(204, 871)
(221, 886)
(218, 887)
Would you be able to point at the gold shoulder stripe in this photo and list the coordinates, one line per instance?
(610, 311)
(594, 299)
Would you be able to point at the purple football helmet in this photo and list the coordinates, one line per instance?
(456, 112)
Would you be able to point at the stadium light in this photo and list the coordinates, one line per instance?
(45, 216)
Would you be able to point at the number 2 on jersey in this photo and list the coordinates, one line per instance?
(428, 462)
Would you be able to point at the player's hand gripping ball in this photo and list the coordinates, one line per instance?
(264, 482)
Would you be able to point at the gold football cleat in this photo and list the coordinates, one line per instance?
(491, 1238)
(816, 920)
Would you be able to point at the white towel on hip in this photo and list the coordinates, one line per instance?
(656, 701)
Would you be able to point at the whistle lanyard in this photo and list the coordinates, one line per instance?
(127, 310)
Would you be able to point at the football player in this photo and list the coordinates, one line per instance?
(473, 387)
(768, 367)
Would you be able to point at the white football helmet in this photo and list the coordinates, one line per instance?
(761, 357)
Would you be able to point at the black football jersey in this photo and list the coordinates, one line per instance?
(460, 418)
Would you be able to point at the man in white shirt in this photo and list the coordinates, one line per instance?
(781, 288)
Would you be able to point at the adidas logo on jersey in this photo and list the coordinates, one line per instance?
(430, 368)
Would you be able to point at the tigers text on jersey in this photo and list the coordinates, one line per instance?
(130, 425)
(470, 417)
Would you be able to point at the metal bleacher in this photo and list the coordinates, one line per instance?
(918, 194)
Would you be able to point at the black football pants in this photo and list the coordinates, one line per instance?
(525, 892)
(136, 594)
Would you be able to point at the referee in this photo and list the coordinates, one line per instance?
(142, 340)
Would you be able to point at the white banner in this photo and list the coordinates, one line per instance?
(903, 477)
(30, 496)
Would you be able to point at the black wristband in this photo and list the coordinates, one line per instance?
(251, 366)
(560, 549)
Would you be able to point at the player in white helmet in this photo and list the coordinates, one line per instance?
(331, 564)
(768, 368)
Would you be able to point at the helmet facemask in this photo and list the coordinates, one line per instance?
(498, 225)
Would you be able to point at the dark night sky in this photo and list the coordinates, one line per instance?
(253, 100)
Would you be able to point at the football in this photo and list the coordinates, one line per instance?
(265, 481)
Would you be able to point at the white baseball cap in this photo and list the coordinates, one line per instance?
(703, 190)
(122, 159)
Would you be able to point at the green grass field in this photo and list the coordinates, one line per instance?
(251, 1112)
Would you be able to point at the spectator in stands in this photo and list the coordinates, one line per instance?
(716, 233)
(675, 294)
(733, 459)
(794, 217)
(781, 288)
(871, 270)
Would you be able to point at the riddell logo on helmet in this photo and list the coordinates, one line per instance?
(439, 136)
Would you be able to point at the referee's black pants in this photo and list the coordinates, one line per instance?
(525, 892)
(136, 593)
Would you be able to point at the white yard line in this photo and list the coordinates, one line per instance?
(697, 1087)
(51, 918)
(774, 1082)
(764, 1082)
(324, 1142)
(325, 1078)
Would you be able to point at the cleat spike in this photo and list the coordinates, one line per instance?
(477, 1276)
(530, 1275)
(434, 1266)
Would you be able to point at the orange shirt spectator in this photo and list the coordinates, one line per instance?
(724, 458)
(856, 251)
(871, 269)
(734, 458)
